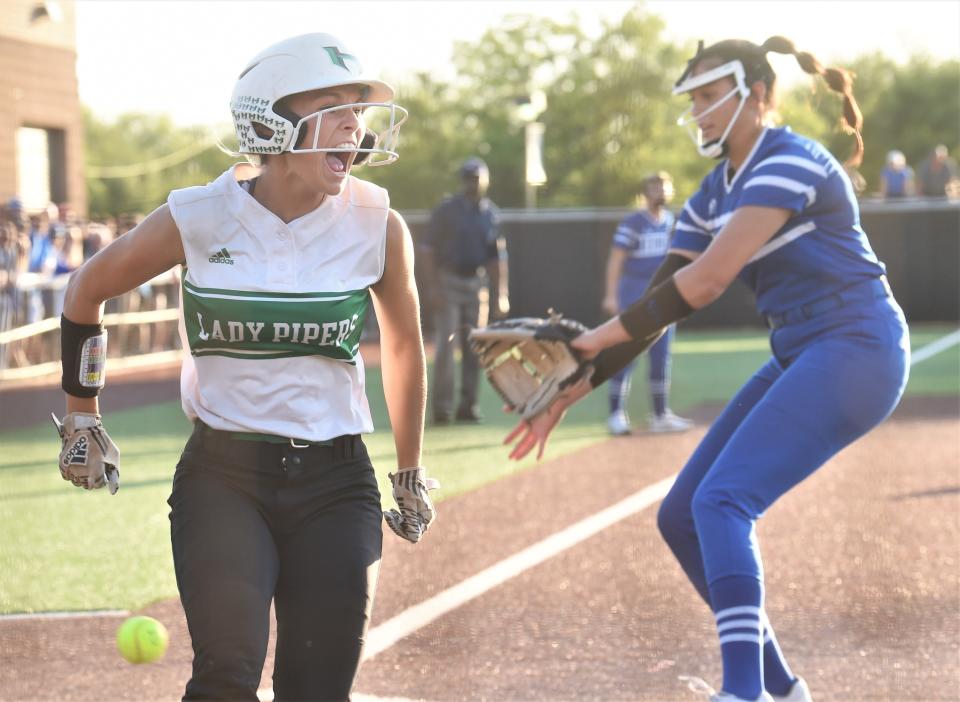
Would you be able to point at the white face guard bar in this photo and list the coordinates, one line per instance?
(380, 119)
(688, 120)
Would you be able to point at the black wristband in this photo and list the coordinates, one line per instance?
(672, 262)
(658, 308)
(611, 361)
(645, 321)
(83, 352)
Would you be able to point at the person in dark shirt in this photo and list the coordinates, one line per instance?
(462, 257)
(937, 174)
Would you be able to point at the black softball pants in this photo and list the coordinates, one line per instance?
(253, 522)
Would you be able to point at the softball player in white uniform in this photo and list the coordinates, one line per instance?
(274, 499)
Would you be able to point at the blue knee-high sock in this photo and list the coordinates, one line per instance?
(620, 389)
(659, 403)
(777, 676)
(738, 608)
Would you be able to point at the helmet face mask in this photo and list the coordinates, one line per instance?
(303, 64)
(380, 121)
(732, 69)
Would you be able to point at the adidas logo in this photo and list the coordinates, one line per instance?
(221, 256)
(77, 455)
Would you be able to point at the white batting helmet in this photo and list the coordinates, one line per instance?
(296, 65)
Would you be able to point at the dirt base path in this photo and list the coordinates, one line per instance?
(863, 588)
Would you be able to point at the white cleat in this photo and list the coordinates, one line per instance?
(800, 692)
(619, 423)
(669, 422)
(698, 686)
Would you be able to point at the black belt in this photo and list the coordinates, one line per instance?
(344, 446)
(858, 292)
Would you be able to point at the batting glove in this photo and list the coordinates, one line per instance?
(88, 458)
(411, 488)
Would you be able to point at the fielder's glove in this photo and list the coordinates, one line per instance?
(411, 489)
(89, 458)
(529, 361)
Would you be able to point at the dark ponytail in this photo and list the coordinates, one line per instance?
(840, 81)
(756, 67)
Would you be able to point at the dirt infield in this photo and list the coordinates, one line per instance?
(863, 588)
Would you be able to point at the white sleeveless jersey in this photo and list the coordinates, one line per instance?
(272, 312)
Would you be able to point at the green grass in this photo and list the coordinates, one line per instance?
(65, 549)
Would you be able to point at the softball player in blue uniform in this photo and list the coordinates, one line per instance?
(779, 212)
(639, 246)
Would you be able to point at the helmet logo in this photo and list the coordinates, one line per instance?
(337, 57)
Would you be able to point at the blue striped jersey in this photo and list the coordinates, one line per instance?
(821, 248)
(645, 240)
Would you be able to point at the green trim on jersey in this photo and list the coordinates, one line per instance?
(262, 325)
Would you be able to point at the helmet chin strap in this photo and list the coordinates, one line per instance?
(734, 69)
(717, 148)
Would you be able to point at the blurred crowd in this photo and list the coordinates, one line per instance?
(937, 176)
(38, 252)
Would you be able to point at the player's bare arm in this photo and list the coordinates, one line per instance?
(152, 247)
(706, 278)
(403, 361)
(89, 458)
(404, 368)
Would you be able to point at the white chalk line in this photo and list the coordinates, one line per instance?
(389, 632)
(266, 695)
(935, 347)
(83, 614)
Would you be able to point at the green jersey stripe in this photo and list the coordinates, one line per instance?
(261, 326)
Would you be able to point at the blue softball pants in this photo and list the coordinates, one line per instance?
(831, 380)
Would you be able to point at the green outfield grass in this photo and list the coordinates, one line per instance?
(66, 549)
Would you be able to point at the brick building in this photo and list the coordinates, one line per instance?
(41, 125)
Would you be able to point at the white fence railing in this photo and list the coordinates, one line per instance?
(137, 336)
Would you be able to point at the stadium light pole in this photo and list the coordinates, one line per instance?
(529, 108)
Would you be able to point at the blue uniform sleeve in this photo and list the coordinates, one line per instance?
(790, 182)
(626, 237)
(693, 231)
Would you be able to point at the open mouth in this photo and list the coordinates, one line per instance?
(337, 161)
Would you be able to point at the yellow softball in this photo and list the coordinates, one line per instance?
(142, 640)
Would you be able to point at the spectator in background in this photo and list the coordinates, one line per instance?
(69, 257)
(14, 213)
(639, 247)
(42, 258)
(14, 247)
(43, 261)
(937, 175)
(97, 236)
(463, 254)
(896, 178)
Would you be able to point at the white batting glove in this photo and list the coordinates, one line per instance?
(88, 458)
(411, 488)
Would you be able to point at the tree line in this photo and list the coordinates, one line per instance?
(609, 120)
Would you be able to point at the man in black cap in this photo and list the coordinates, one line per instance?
(464, 254)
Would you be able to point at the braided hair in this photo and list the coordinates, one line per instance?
(756, 67)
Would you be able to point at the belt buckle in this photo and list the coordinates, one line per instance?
(294, 444)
